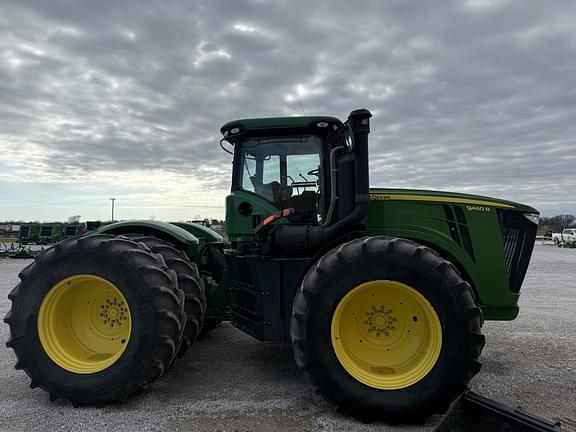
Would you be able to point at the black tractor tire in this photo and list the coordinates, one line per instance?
(188, 280)
(390, 259)
(156, 311)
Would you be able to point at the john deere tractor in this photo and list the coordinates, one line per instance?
(381, 292)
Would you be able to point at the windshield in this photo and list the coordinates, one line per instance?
(286, 171)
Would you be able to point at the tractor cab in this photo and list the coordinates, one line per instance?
(299, 184)
(292, 178)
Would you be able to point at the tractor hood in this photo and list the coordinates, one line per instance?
(379, 194)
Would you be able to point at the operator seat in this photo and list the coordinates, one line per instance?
(280, 193)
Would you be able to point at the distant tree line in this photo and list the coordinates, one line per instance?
(556, 224)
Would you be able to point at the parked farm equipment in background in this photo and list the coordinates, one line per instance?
(11, 248)
(382, 292)
(29, 233)
(48, 233)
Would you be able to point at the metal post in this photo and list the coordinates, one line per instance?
(112, 199)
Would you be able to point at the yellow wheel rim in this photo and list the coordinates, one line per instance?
(84, 324)
(386, 334)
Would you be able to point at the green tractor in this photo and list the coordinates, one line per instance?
(382, 292)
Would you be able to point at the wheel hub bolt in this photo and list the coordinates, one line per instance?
(380, 321)
(113, 312)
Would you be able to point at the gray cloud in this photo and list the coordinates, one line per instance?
(472, 95)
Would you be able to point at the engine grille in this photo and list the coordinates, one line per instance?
(519, 235)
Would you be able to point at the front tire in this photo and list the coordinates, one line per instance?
(95, 319)
(387, 328)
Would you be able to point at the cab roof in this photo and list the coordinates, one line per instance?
(295, 122)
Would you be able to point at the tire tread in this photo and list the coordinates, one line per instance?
(354, 251)
(162, 296)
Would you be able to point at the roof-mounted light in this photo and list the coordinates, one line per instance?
(232, 131)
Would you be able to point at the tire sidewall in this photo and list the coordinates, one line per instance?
(456, 340)
(127, 280)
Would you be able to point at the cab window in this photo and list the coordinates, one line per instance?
(286, 171)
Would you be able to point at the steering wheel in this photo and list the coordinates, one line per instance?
(314, 172)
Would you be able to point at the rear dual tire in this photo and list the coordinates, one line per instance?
(129, 328)
(189, 282)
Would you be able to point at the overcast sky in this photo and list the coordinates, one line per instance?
(124, 99)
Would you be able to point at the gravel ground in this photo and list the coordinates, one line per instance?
(232, 382)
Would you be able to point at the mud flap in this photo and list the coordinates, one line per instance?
(475, 413)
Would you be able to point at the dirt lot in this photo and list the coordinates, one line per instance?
(232, 382)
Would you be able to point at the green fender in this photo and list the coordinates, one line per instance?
(205, 234)
(182, 238)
